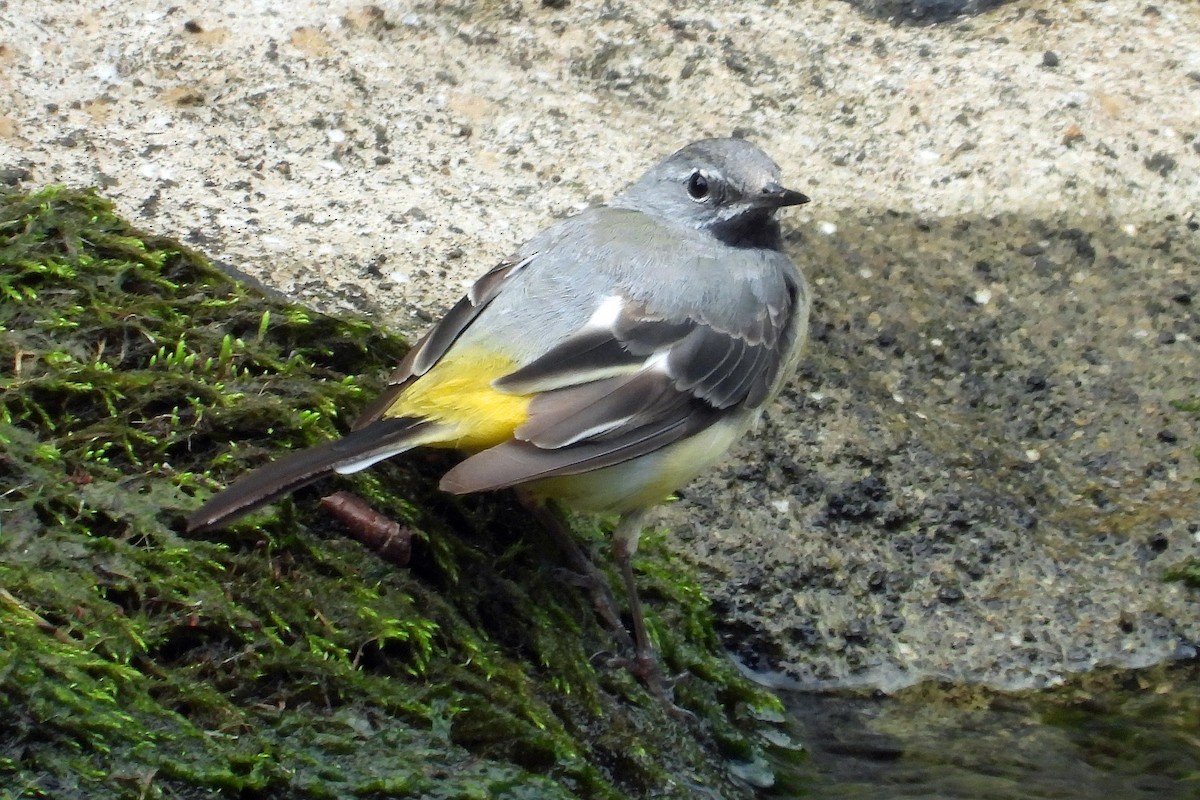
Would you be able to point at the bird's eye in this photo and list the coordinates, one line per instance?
(697, 187)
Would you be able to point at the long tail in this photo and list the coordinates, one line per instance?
(358, 450)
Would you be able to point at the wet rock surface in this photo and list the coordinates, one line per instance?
(990, 474)
(978, 474)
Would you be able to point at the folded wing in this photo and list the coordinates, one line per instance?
(632, 385)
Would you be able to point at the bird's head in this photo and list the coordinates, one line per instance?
(726, 187)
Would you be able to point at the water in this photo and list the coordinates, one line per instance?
(1112, 736)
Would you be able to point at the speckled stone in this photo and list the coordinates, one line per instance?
(967, 480)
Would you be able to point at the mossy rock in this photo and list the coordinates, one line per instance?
(279, 658)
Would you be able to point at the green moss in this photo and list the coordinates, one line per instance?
(278, 658)
(1188, 571)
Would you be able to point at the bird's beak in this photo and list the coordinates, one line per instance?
(775, 196)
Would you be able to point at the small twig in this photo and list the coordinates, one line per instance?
(37, 619)
(382, 535)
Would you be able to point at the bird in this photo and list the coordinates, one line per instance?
(615, 356)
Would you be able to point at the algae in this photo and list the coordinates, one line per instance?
(278, 658)
(1188, 570)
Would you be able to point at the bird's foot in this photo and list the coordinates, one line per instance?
(604, 604)
(648, 669)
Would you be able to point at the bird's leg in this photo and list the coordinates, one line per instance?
(644, 666)
(586, 573)
(624, 545)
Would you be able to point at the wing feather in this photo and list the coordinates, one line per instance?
(515, 461)
(591, 355)
(601, 410)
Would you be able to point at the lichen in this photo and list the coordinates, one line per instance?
(279, 658)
